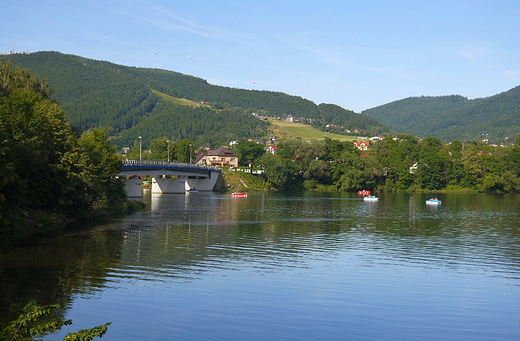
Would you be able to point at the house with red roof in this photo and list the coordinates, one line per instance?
(362, 145)
(272, 149)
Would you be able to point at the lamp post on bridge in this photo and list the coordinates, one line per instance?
(190, 153)
(168, 150)
(140, 149)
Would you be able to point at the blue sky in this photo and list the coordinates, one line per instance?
(357, 54)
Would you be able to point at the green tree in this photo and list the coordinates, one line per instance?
(473, 173)
(430, 172)
(159, 149)
(184, 150)
(455, 165)
(348, 171)
(47, 166)
(514, 158)
(249, 151)
(103, 167)
(278, 170)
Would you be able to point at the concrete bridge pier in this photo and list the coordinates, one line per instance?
(133, 187)
(165, 184)
(168, 184)
(201, 184)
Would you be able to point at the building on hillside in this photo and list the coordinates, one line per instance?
(272, 149)
(218, 157)
(362, 145)
(414, 167)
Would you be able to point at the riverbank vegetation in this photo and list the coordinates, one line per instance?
(47, 168)
(404, 163)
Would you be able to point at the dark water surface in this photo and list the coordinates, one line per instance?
(278, 266)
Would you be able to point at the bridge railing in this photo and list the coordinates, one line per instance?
(166, 164)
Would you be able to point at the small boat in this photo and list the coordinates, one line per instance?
(371, 198)
(192, 190)
(238, 195)
(434, 201)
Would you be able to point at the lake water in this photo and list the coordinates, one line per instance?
(284, 266)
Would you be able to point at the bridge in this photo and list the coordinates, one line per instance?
(169, 177)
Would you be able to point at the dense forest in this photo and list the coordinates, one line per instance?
(496, 118)
(45, 164)
(404, 163)
(125, 102)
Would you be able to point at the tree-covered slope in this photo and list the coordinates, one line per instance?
(495, 118)
(454, 117)
(121, 100)
(94, 94)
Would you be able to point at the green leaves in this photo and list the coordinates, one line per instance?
(37, 321)
(33, 322)
(249, 151)
(88, 334)
(43, 163)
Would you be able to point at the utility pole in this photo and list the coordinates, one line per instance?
(140, 149)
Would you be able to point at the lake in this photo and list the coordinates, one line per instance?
(283, 266)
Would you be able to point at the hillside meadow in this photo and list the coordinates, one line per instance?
(284, 130)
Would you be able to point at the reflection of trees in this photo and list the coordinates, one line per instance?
(184, 235)
(54, 270)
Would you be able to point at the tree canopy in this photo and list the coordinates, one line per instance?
(46, 165)
(404, 163)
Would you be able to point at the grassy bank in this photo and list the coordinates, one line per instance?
(244, 182)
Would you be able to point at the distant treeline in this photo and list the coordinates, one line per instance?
(401, 164)
(496, 118)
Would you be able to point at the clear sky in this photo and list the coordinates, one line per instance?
(357, 54)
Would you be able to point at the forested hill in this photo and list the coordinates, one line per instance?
(454, 117)
(122, 100)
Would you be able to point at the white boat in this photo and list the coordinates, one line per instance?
(370, 198)
(434, 201)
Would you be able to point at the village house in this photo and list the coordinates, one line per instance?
(272, 149)
(362, 145)
(218, 157)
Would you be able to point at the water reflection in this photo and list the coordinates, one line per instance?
(306, 242)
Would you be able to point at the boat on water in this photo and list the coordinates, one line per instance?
(434, 201)
(238, 195)
(371, 198)
(192, 190)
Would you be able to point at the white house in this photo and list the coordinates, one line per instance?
(272, 149)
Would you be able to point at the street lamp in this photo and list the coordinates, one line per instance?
(140, 149)
(168, 151)
(190, 154)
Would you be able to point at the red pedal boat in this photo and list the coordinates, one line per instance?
(239, 195)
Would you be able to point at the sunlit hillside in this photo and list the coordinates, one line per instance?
(283, 129)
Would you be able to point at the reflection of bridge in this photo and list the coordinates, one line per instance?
(169, 177)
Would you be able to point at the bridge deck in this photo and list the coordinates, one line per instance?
(156, 167)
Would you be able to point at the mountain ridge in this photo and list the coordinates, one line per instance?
(495, 118)
(121, 99)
